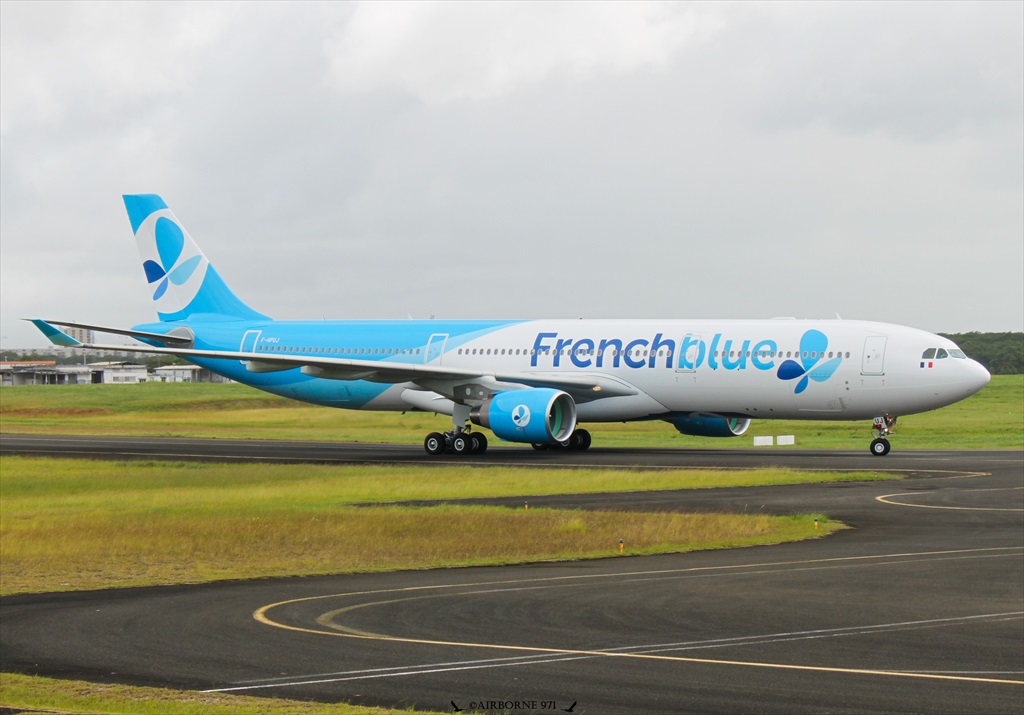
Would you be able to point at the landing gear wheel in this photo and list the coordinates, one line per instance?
(479, 443)
(583, 438)
(880, 447)
(461, 444)
(578, 441)
(539, 446)
(434, 443)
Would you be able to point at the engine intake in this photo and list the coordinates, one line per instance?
(538, 415)
(710, 425)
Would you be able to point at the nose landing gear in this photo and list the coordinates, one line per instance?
(883, 427)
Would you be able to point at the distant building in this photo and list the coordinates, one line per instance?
(186, 373)
(82, 335)
(47, 372)
(120, 372)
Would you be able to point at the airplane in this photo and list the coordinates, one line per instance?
(536, 381)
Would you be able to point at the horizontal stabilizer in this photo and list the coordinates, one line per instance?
(55, 335)
(178, 337)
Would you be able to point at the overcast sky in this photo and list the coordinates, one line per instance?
(382, 160)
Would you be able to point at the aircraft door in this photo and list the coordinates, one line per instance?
(874, 355)
(691, 353)
(435, 348)
(249, 342)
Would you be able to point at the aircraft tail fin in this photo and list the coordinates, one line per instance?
(184, 283)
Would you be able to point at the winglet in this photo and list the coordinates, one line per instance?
(55, 336)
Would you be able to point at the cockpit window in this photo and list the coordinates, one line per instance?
(941, 354)
(928, 354)
(958, 354)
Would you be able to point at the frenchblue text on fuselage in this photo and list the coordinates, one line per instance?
(689, 353)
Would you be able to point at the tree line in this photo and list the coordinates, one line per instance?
(1000, 353)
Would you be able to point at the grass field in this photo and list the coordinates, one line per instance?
(991, 419)
(47, 695)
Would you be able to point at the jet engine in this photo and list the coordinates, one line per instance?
(538, 415)
(710, 425)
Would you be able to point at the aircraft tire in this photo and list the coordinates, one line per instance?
(479, 443)
(462, 444)
(880, 447)
(585, 439)
(434, 443)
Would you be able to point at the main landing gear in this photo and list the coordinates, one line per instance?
(459, 439)
(462, 441)
(883, 426)
(455, 441)
(578, 441)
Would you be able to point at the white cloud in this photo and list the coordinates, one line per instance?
(447, 51)
(916, 71)
(53, 54)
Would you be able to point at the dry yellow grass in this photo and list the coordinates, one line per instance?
(46, 552)
(31, 694)
(77, 524)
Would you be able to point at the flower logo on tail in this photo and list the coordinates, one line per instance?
(813, 345)
(170, 240)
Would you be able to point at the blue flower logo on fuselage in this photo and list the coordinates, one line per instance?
(813, 345)
(170, 240)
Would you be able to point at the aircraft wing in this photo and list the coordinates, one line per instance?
(581, 387)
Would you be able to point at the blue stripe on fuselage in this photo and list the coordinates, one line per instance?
(391, 341)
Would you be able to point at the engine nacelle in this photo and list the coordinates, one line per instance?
(538, 414)
(709, 425)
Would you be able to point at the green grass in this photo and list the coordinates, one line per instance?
(991, 419)
(77, 524)
(35, 694)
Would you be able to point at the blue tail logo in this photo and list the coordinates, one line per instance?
(184, 283)
(813, 345)
(173, 266)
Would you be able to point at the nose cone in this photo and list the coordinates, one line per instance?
(976, 377)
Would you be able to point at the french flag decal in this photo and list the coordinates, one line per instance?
(927, 364)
